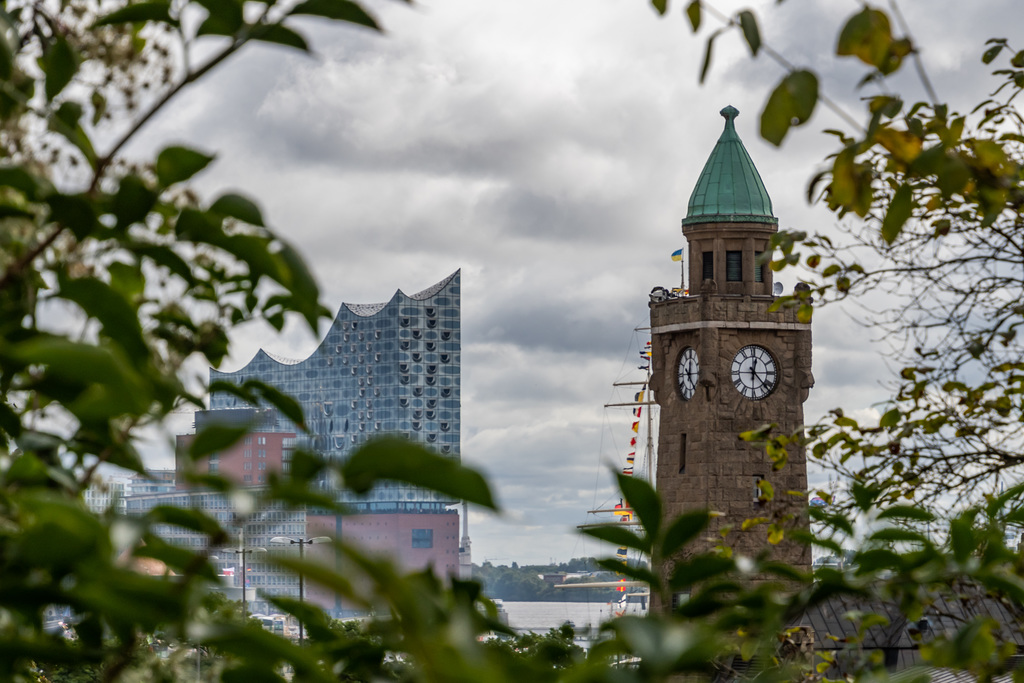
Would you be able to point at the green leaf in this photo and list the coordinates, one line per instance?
(238, 207)
(867, 36)
(790, 104)
(225, 17)
(140, 12)
(73, 212)
(21, 180)
(280, 400)
(395, 459)
(281, 35)
(877, 559)
(907, 512)
(699, 568)
(101, 380)
(706, 64)
(748, 23)
(215, 437)
(890, 419)
(661, 6)
(194, 520)
(645, 502)
(961, 538)
(65, 122)
(693, 11)
(8, 44)
(339, 10)
(618, 535)
(901, 208)
(60, 63)
(178, 164)
(991, 54)
(133, 202)
(118, 318)
(895, 534)
(635, 572)
(683, 530)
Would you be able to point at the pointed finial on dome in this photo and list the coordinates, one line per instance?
(730, 113)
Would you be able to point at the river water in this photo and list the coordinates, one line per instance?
(541, 616)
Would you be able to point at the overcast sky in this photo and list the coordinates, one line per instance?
(548, 149)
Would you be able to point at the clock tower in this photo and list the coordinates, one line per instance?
(724, 363)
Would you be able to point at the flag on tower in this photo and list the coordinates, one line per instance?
(677, 255)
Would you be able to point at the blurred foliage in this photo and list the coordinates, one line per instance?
(115, 275)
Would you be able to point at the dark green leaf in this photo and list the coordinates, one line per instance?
(661, 6)
(683, 530)
(103, 303)
(280, 400)
(186, 519)
(697, 569)
(340, 10)
(395, 459)
(66, 122)
(706, 64)
(907, 512)
(894, 534)
(306, 466)
(215, 437)
(60, 63)
(282, 35)
(901, 208)
(635, 572)
(238, 207)
(890, 419)
(140, 12)
(872, 561)
(133, 201)
(618, 535)
(74, 213)
(790, 104)
(748, 23)
(225, 17)
(991, 53)
(961, 538)
(693, 14)
(178, 164)
(21, 180)
(867, 35)
(645, 502)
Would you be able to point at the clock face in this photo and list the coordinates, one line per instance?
(754, 372)
(689, 371)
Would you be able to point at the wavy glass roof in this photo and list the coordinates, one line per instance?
(729, 188)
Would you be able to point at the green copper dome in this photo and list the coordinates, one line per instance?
(729, 189)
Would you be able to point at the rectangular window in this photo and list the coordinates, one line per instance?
(734, 266)
(422, 538)
(757, 488)
(247, 466)
(708, 265)
(759, 268)
(247, 478)
(247, 453)
(682, 453)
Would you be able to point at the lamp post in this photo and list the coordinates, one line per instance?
(302, 543)
(243, 552)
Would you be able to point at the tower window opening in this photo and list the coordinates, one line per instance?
(759, 267)
(733, 266)
(757, 487)
(682, 453)
(708, 266)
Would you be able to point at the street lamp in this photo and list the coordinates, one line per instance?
(302, 543)
(243, 552)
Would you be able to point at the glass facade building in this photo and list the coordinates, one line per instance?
(388, 368)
